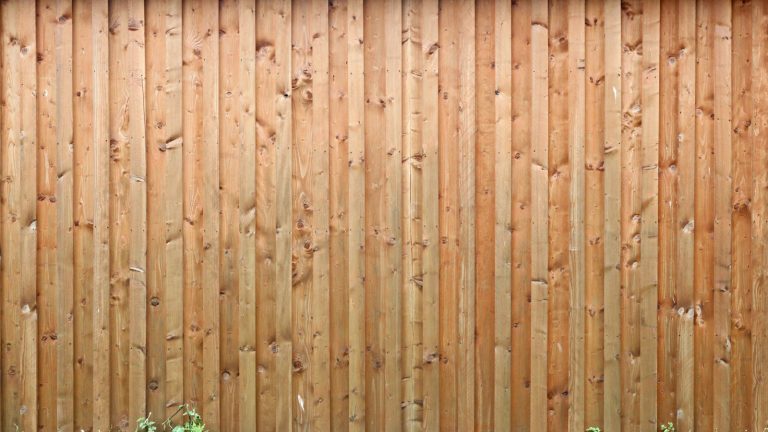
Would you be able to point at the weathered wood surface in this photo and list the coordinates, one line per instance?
(384, 215)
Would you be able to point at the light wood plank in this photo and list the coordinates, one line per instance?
(265, 214)
(209, 180)
(577, 242)
(412, 208)
(191, 231)
(686, 161)
(594, 210)
(357, 212)
(127, 212)
(521, 214)
(613, 154)
(339, 202)
(723, 218)
(502, 401)
(246, 256)
(560, 179)
(84, 195)
(485, 160)
(391, 241)
(201, 208)
(229, 187)
(375, 228)
(18, 240)
(54, 208)
(632, 73)
(649, 224)
(102, 370)
(451, 271)
(704, 307)
(320, 398)
(741, 175)
(310, 211)
(759, 209)
(430, 218)
(156, 196)
(466, 151)
(282, 12)
(539, 212)
(174, 209)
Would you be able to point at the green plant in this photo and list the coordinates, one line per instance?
(593, 429)
(669, 427)
(191, 422)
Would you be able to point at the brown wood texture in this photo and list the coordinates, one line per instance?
(335, 215)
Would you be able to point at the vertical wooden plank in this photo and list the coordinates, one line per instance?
(18, 240)
(594, 208)
(412, 206)
(632, 19)
(128, 211)
(676, 162)
(649, 225)
(102, 370)
(24, 211)
(668, 319)
(759, 209)
(310, 180)
(375, 88)
(485, 197)
(118, 216)
(742, 383)
(155, 202)
(391, 243)
(302, 247)
(431, 217)
(209, 180)
(357, 212)
(137, 202)
(539, 212)
(675, 317)
(560, 268)
(164, 182)
(521, 215)
(134, 132)
(704, 326)
(320, 398)
(55, 224)
(503, 217)
(157, 269)
(83, 177)
(466, 152)
(723, 206)
(65, 404)
(201, 212)
(174, 208)
(577, 243)
(46, 216)
(246, 256)
(192, 231)
(613, 154)
(265, 215)
(338, 190)
(449, 224)
(283, 15)
(229, 185)
(685, 165)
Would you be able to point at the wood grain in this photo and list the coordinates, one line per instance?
(384, 215)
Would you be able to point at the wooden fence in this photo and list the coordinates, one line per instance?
(499, 215)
